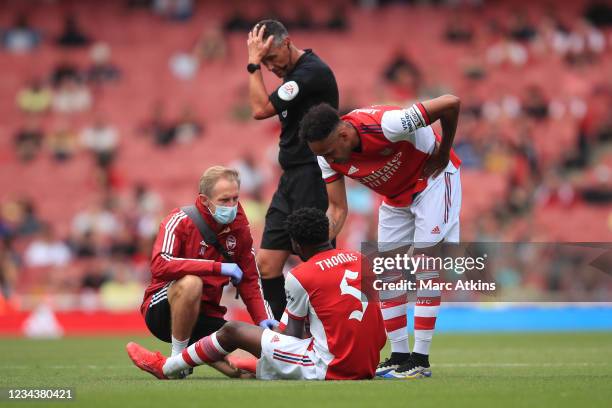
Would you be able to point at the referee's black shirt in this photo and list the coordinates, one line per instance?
(311, 82)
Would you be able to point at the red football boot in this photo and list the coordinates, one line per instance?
(147, 360)
(245, 363)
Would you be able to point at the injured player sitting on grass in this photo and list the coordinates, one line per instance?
(347, 331)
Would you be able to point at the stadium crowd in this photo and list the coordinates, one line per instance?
(546, 144)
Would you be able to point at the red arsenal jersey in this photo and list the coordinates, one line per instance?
(346, 324)
(395, 144)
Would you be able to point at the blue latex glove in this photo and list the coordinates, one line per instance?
(269, 324)
(233, 271)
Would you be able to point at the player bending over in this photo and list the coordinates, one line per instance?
(396, 153)
(347, 331)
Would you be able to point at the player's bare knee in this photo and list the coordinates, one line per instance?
(187, 288)
(227, 333)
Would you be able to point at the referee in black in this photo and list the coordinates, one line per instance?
(307, 81)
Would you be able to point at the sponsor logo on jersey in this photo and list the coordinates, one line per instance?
(378, 177)
(353, 170)
(284, 114)
(288, 90)
(436, 230)
(230, 242)
(275, 339)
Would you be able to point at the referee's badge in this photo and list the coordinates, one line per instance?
(288, 90)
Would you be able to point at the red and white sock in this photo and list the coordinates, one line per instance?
(425, 311)
(205, 350)
(394, 305)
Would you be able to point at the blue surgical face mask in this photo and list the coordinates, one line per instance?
(224, 215)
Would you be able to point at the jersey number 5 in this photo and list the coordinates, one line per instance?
(346, 289)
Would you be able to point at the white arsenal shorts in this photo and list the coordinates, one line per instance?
(431, 218)
(288, 358)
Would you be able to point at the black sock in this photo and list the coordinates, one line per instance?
(421, 359)
(400, 356)
(274, 293)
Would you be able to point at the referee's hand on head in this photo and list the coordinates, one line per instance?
(256, 46)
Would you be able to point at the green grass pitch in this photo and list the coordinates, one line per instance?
(469, 370)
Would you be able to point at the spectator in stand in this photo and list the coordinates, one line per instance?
(237, 22)
(72, 96)
(303, 19)
(96, 275)
(506, 51)
(459, 30)
(584, 44)
(535, 104)
(145, 212)
(184, 65)
(122, 291)
(158, 127)
(403, 75)
(36, 97)
(146, 200)
(102, 69)
(521, 29)
(251, 177)
(84, 246)
(28, 222)
(599, 191)
(28, 140)
(46, 250)
(66, 69)
(188, 127)
(337, 20)
(101, 139)
(211, 46)
(473, 66)
(124, 243)
(179, 10)
(599, 13)
(399, 62)
(62, 142)
(20, 38)
(99, 218)
(72, 36)
(554, 190)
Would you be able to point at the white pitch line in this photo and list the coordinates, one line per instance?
(512, 365)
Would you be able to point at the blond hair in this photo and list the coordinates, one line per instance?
(212, 175)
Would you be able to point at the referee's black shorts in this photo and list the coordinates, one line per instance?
(158, 319)
(298, 187)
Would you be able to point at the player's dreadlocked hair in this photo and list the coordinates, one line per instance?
(308, 226)
(275, 28)
(318, 123)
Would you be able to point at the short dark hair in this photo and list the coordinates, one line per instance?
(308, 226)
(275, 28)
(318, 123)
